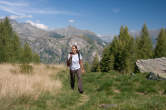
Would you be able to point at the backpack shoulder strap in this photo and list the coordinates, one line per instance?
(79, 56)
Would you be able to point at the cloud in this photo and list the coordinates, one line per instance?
(24, 9)
(99, 35)
(2, 17)
(19, 17)
(13, 7)
(116, 10)
(13, 3)
(71, 20)
(38, 25)
(50, 11)
(9, 10)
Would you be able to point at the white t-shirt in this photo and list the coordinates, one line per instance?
(75, 61)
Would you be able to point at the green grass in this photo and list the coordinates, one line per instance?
(115, 91)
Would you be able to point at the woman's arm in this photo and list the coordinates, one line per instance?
(69, 59)
(82, 67)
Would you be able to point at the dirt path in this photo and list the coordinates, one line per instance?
(83, 99)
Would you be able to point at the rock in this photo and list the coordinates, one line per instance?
(106, 106)
(152, 76)
(157, 66)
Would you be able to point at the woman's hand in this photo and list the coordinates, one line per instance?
(83, 71)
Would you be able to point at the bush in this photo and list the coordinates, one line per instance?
(26, 68)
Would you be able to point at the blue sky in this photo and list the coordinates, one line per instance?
(100, 16)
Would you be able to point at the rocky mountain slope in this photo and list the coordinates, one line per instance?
(53, 46)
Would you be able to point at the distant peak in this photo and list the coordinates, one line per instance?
(71, 27)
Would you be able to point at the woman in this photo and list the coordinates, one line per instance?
(74, 61)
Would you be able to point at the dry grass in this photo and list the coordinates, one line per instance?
(14, 84)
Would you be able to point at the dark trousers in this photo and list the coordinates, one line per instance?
(72, 79)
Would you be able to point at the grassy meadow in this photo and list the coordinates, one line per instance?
(47, 88)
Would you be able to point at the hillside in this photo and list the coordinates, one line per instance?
(53, 46)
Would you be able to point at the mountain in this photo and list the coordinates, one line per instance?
(72, 31)
(106, 38)
(53, 46)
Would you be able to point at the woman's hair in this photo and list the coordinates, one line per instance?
(76, 48)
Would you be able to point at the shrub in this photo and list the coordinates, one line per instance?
(26, 68)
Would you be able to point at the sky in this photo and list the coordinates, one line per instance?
(104, 17)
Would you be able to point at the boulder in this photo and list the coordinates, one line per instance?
(157, 66)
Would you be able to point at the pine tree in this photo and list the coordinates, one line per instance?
(108, 57)
(113, 51)
(6, 34)
(129, 52)
(36, 58)
(112, 61)
(121, 54)
(98, 68)
(87, 67)
(124, 54)
(1, 43)
(27, 56)
(105, 61)
(16, 48)
(160, 50)
(144, 46)
(95, 64)
(10, 43)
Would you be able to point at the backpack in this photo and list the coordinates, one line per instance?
(153, 76)
(79, 55)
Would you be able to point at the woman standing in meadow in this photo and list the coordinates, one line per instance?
(74, 62)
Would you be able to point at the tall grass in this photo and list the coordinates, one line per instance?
(13, 83)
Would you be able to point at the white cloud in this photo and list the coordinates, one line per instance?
(16, 15)
(116, 10)
(38, 25)
(99, 35)
(25, 9)
(19, 17)
(71, 20)
(9, 10)
(2, 17)
(13, 3)
(13, 7)
(50, 11)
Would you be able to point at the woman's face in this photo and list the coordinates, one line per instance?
(74, 50)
